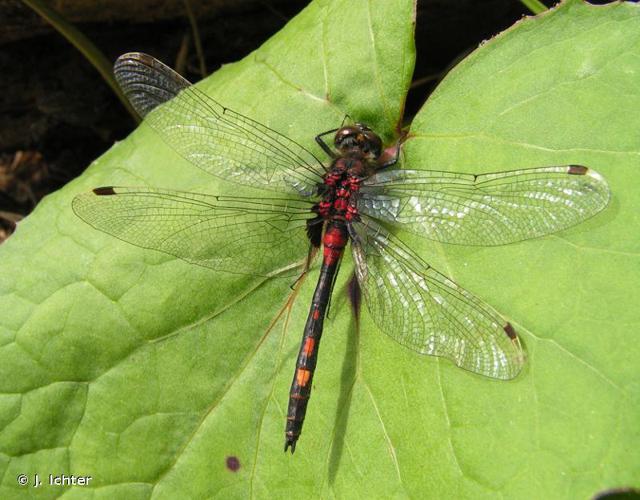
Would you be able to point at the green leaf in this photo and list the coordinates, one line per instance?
(560, 88)
(147, 373)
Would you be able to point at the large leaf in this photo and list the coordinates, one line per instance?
(148, 373)
(558, 89)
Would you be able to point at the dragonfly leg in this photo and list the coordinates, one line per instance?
(325, 147)
(307, 264)
(292, 286)
(333, 282)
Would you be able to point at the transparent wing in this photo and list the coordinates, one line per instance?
(240, 235)
(146, 81)
(423, 310)
(214, 138)
(488, 209)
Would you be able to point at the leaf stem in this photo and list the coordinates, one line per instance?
(84, 45)
(196, 37)
(535, 6)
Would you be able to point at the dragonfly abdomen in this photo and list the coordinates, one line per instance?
(334, 241)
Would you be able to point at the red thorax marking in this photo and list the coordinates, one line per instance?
(341, 204)
(342, 182)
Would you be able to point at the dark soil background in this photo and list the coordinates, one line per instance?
(57, 114)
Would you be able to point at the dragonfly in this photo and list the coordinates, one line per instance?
(358, 197)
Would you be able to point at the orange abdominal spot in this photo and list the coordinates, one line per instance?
(302, 377)
(309, 344)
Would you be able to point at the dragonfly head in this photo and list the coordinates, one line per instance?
(358, 138)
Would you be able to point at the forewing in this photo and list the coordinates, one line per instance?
(214, 138)
(488, 209)
(423, 310)
(241, 235)
(146, 81)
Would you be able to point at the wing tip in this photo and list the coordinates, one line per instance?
(586, 171)
(510, 331)
(139, 57)
(596, 180)
(520, 359)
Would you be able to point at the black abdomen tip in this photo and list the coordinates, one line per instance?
(290, 442)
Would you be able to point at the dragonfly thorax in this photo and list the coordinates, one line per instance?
(341, 186)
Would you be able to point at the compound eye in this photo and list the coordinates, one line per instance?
(344, 134)
(374, 142)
